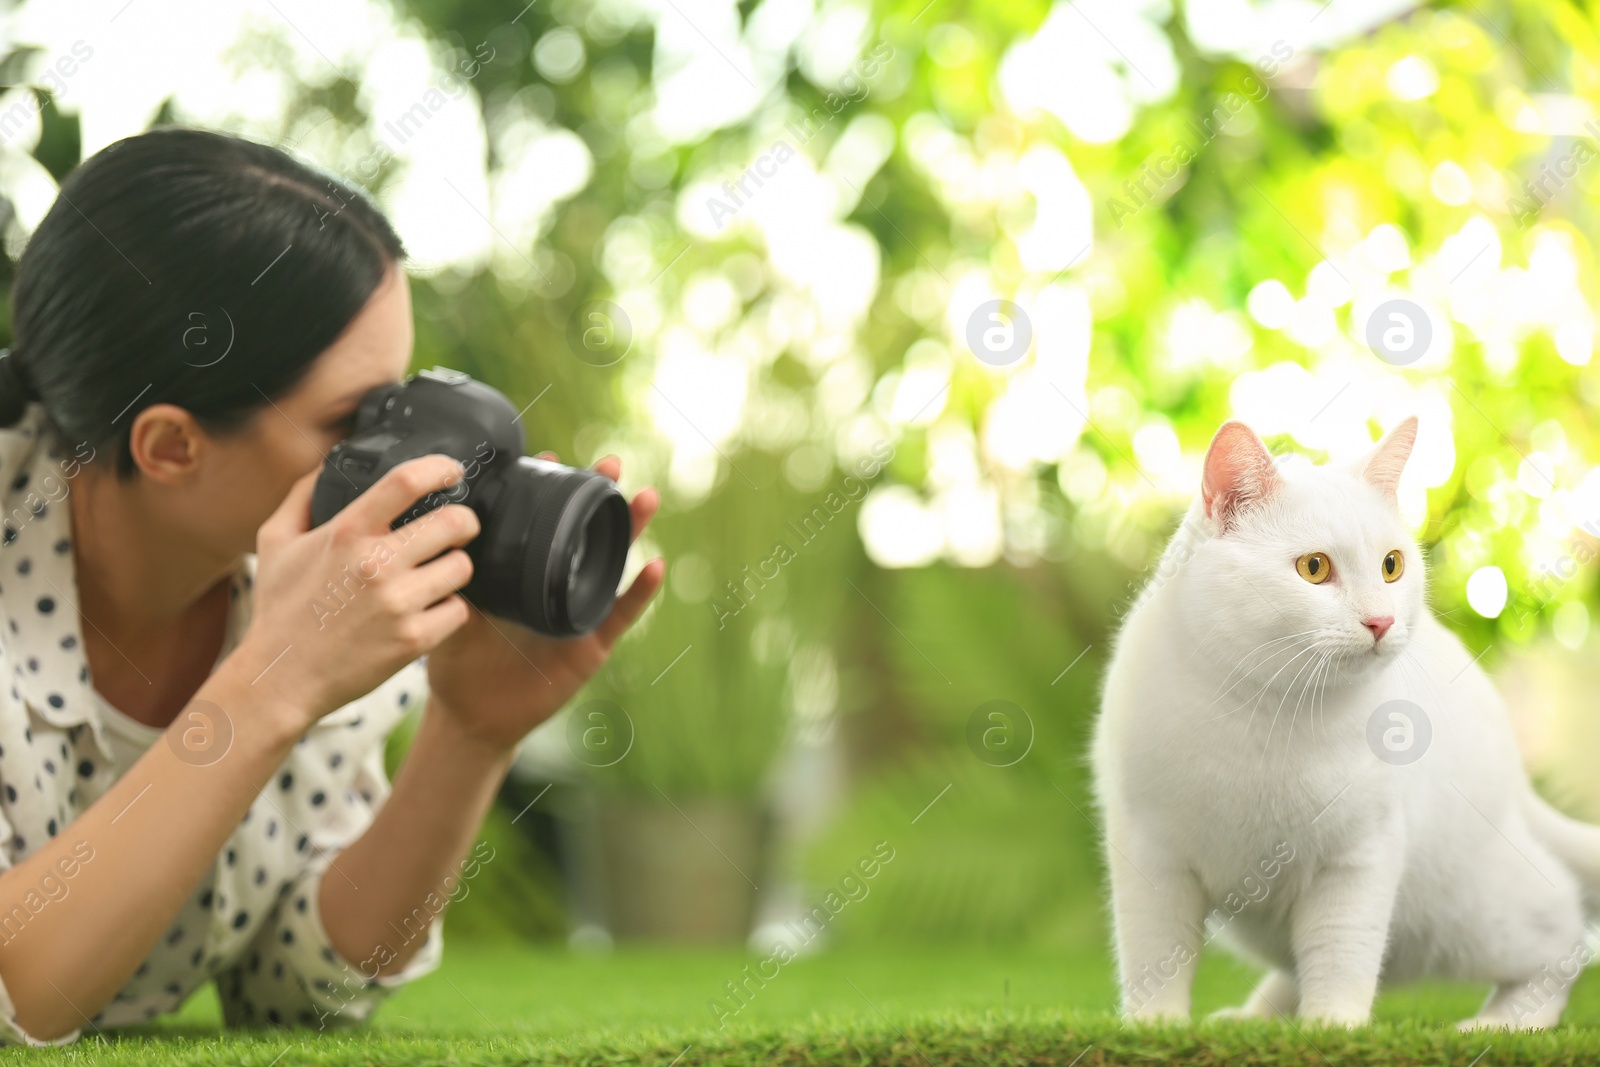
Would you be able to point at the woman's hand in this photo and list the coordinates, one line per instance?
(340, 608)
(499, 680)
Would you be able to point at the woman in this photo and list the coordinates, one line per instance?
(191, 778)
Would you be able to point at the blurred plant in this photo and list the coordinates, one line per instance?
(1344, 161)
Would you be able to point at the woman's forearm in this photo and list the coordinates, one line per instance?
(132, 859)
(397, 875)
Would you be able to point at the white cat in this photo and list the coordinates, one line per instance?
(1294, 755)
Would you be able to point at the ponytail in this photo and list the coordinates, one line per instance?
(16, 391)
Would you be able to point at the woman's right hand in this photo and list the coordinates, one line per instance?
(340, 608)
(304, 654)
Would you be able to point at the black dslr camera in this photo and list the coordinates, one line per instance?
(554, 539)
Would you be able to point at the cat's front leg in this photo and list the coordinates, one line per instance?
(1339, 929)
(1158, 909)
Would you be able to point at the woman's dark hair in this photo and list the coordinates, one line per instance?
(190, 267)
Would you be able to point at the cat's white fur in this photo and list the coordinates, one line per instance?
(1234, 733)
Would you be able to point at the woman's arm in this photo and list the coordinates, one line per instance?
(152, 836)
(414, 848)
(148, 840)
(489, 684)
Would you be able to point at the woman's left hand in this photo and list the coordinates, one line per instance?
(499, 679)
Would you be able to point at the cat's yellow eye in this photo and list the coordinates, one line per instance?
(1394, 565)
(1314, 567)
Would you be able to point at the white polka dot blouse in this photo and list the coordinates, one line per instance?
(251, 925)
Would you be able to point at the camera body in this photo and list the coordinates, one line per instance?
(554, 539)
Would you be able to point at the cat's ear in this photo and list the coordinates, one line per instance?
(1239, 472)
(1383, 465)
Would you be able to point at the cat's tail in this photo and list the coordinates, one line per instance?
(1575, 843)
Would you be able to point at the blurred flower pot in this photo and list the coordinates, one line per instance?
(686, 873)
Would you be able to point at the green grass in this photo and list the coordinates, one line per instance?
(923, 1007)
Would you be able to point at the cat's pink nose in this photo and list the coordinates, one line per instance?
(1379, 625)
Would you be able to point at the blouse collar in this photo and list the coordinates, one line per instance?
(41, 628)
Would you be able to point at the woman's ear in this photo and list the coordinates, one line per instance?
(166, 443)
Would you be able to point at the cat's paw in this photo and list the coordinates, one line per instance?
(1154, 1016)
(1238, 1011)
(1349, 1019)
(1513, 1007)
(1276, 997)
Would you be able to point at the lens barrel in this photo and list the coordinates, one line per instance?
(552, 548)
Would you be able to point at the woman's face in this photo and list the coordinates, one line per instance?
(243, 476)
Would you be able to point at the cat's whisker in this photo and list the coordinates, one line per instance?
(1269, 643)
(1206, 640)
(1314, 663)
(1427, 680)
(1266, 687)
(1247, 665)
(1249, 669)
(1310, 686)
(1407, 675)
(1313, 688)
(1321, 691)
(1294, 713)
(1337, 665)
(1415, 679)
(1288, 692)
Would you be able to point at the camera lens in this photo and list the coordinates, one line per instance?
(552, 548)
(583, 562)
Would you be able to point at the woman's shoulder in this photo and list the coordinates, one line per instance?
(37, 465)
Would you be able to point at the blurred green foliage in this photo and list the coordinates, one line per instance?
(1306, 172)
